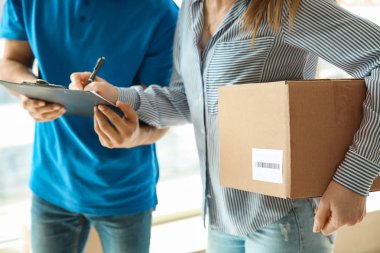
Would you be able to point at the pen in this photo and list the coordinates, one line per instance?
(98, 64)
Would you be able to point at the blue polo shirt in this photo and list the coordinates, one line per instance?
(70, 167)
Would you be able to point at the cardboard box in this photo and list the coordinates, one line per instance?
(286, 139)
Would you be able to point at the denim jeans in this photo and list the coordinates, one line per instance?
(60, 231)
(291, 234)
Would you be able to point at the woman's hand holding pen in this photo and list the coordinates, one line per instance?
(113, 131)
(99, 85)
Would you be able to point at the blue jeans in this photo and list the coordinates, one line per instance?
(60, 231)
(291, 234)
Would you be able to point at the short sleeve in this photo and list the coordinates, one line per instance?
(12, 21)
(156, 67)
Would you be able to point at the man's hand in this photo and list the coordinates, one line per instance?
(42, 111)
(339, 206)
(125, 131)
(100, 86)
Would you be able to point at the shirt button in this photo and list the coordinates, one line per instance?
(209, 196)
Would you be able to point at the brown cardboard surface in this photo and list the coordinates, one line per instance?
(93, 244)
(324, 118)
(313, 122)
(238, 139)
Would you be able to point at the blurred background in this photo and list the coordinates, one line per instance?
(178, 227)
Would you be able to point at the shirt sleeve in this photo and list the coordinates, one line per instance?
(352, 44)
(12, 21)
(161, 106)
(157, 64)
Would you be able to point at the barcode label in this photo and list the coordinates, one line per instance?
(264, 165)
(267, 165)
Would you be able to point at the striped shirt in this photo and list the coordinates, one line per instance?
(321, 29)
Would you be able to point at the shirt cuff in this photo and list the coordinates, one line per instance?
(357, 173)
(129, 96)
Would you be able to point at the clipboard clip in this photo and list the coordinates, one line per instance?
(43, 83)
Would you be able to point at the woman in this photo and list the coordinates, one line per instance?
(225, 42)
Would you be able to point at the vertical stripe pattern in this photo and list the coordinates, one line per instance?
(322, 29)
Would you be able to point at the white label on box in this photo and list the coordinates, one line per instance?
(267, 165)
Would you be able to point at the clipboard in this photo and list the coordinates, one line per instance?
(76, 102)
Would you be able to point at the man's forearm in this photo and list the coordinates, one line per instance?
(13, 71)
(149, 134)
(16, 72)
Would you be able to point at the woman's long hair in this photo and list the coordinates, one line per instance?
(272, 10)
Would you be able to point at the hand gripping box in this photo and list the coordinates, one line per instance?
(287, 138)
